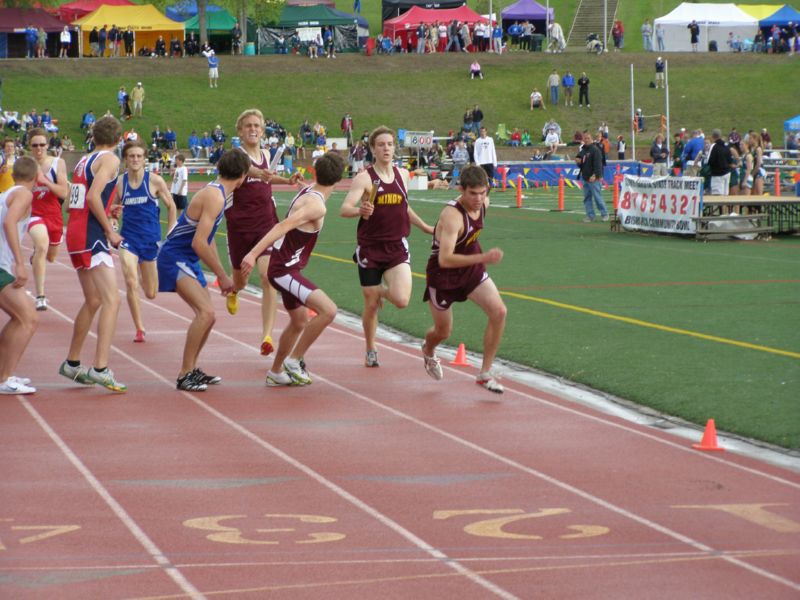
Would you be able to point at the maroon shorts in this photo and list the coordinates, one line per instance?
(443, 298)
(293, 288)
(240, 243)
(375, 259)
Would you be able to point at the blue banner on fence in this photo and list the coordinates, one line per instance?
(547, 173)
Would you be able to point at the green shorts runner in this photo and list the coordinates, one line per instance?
(5, 278)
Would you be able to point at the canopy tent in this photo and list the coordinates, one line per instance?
(406, 23)
(716, 21)
(304, 22)
(218, 21)
(527, 10)
(73, 11)
(790, 127)
(760, 11)
(13, 22)
(781, 18)
(183, 10)
(145, 20)
(392, 9)
(362, 25)
(328, 3)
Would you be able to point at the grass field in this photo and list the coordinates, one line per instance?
(694, 330)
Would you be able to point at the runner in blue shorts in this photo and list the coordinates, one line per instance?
(138, 193)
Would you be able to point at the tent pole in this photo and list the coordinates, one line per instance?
(605, 25)
(547, 25)
(666, 100)
(633, 118)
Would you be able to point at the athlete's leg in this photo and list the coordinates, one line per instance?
(38, 233)
(198, 298)
(130, 270)
(398, 285)
(17, 333)
(439, 331)
(269, 300)
(373, 302)
(85, 316)
(320, 303)
(298, 319)
(148, 272)
(488, 298)
(105, 282)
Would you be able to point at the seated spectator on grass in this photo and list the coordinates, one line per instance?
(577, 139)
(551, 124)
(157, 137)
(170, 139)
(537, 100)
(218, 135)
(475, 70)
(11, 118)
(526, 138)
(516, 138)
(46, 120)
(194, 144)
(537, 155)
(67, 144)
(552, 140)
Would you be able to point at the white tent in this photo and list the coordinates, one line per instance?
(716, 22)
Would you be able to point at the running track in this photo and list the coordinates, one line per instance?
(370, 483)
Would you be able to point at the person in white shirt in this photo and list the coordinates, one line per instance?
(552, 140)
(180, 182)
(537, 100)
(66, 40)
(485, 155)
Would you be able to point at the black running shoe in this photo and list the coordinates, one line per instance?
(191, 383)
(205, 378)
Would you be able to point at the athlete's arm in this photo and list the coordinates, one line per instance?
(211, 204)
(158, 187)
(19, 205)
(107, 166)
(448, 230)
(60, 187)
(306, 210)
(356, 203)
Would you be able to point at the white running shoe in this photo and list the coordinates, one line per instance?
(22, 380)
(371, 360)
(433, 366)
(106, 379)
(278, 379)
(489, 381)
(296, 371)
(77, 374)
(13, 386)
(41, 303)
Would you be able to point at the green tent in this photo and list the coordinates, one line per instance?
(311, 16)
(219, 20)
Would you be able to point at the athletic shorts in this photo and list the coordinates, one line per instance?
(293, 288)
(374, 260)
(213, 73)
(6, 278)
(170, 270)
(88, 259)
(55, 229)
(146, 251)
(180, 201)
(239, 244)
(442, 299)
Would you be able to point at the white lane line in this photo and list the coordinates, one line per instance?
(137, 532)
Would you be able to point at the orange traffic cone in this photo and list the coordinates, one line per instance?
(709, 441)
(461, 357)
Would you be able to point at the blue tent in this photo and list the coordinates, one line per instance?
(362, 22)
(183, 10)
(781, 18)
(792, 124)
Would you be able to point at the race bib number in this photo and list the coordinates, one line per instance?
(77, 196)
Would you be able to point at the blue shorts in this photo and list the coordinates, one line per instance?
(145, 250)
(170, 269)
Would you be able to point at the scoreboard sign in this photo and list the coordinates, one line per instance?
(422, 140)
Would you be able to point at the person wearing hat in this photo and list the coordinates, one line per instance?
(213, 67)
(660, 77)
(137, 98)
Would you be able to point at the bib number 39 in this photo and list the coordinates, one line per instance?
(77, 196)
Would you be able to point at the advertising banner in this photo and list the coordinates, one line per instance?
(662, 204)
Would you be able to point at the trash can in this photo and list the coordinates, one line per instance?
(537, 39)
(369, 48)
(250, 49)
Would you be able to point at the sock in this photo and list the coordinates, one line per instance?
(103, 370)
(74, 363)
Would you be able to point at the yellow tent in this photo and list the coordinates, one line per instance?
(146, 20)
(760, 11)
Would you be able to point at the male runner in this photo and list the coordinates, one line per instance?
(89, 241)
(46, 226)
(456, 272)
(15, 210)
(379, 199)
(293, 240)
(188, 243)
(138, 192)
(250, 217)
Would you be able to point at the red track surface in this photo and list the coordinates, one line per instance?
(370, 483)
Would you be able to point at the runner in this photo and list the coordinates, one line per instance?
(89, 241)
(293, 240)
(250, 217)
(456, 272)
(379, 199)
(138, 192)
(193, 240)
(46, 226)
(15, 210)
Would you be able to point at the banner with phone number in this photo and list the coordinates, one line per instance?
(662, 204)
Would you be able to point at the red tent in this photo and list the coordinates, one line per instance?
(406, 23)
(75, 10)
(13, 22)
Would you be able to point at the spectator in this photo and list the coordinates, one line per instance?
(67, 144)
(639, 120)
(477, 119)
(102, 37)
(41, 43)
(552, 140)
(618, 33)
(113, 38)
(553, 82)
(460, 157)
(583, 90)
(94, 41)
(720, 161)
(128, 38)
(31, 37)
(692, 154)
(485, 154)
(218, 135)
(153, 158)
(647, 36)
(191, 46)
(11, 120)
(236, 39)
(694, 34)
(88, 120)
(347, 128)
(121, 95)
(65, 40)
(497, 38)
(515, 139)
(526, 138)
(170, 139)
(137, 98)
(568, 83)
(54, 145)
(551, 124)
(537, 101)
(766, 139)
(46, 121)
(659, 152)
(161, 46)
(175, 50)
(157, 137)
(620, 147)
(660, 38)
(514, 31)
(590, 162)
(194, 144)
(475, 70)
(206, 143)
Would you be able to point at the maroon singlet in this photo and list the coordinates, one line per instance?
(389, 221)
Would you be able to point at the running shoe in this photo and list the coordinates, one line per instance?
(203, 377)
(266, 346)
(191, 383)
(77, 374)
(41, 303)
(433, 367)
(298, 374)
(13, 386)
(279, 379)
(139, 338)
(106, 379)
(22, 380)
(489, 381)
(371, 360)
(232, 303)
